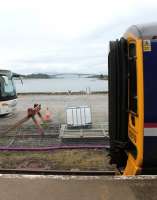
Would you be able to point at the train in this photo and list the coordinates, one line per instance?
(132, 71)
(8, 95)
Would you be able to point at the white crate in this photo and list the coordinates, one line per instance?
(79, 116)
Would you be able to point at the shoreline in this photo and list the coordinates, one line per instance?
(62, 93)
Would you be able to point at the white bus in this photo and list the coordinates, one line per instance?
(8, 96)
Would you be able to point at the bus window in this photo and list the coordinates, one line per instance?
(132, 78)
(7, 86)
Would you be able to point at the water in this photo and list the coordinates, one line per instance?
(61, 85)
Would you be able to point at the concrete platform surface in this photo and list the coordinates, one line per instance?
(28, 187)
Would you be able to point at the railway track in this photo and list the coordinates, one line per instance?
(58, 172)
(37, 140)
(54, 147)
(27, 137)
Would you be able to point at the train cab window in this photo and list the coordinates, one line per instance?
(132, 78)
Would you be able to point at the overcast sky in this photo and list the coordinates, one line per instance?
(56, 36)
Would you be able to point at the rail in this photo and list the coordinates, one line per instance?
(55, 147)
(57, 172)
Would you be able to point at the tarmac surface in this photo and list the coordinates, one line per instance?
(24, 187)
(57, 105)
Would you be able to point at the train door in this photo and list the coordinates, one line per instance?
(126, 104)
(135, 108)
(118, 101)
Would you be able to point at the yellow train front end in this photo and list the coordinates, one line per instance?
(135, 105)
(132, 100)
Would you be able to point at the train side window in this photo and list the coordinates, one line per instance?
(132, 78)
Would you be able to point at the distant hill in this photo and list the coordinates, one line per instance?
(48, 76)
(37, 76)
(70, 75)
(101, 76)
(63, 75)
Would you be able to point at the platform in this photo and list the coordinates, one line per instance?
(39, 187)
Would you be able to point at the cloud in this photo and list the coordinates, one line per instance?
(65, 36)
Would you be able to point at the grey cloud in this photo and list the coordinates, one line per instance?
(52, 53)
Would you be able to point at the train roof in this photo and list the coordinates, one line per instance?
(143, 31)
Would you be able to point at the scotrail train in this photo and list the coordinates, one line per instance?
(132, 62)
